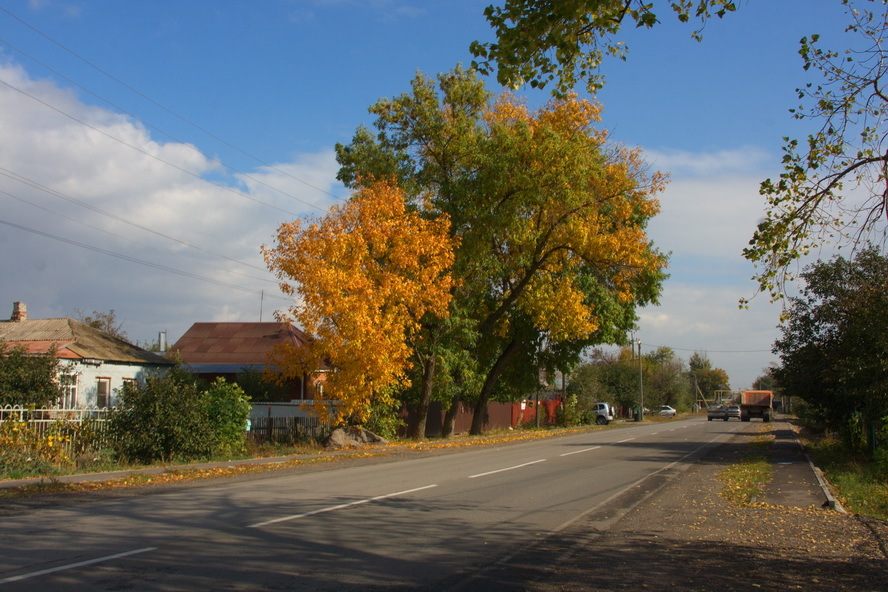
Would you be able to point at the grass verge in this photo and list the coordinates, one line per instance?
(860, 483)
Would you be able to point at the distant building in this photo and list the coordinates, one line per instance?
(228, 350)
(98, 363)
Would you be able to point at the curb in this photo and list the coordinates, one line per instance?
(831, 501)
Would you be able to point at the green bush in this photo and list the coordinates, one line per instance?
(384, 420)
(229, 409)
(165, 418)
(568, 413)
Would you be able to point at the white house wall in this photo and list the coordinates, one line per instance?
(88, 375)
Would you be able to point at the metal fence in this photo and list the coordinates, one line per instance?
(76, 425)
(285, 422)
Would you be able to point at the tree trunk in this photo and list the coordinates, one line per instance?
(487, 390)
(450, 418)
(418, 427)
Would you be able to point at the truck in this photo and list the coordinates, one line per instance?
(756, 404)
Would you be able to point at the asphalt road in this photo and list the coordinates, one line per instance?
(429, 523)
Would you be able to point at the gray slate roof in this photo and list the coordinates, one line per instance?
(80, 340)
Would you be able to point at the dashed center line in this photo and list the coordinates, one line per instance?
(626, 440)
(43, 572)
(579, 451)
(339, 507)
(533, 462)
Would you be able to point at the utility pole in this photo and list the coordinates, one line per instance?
(640, 386)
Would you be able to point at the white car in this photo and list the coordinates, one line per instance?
(667, 411)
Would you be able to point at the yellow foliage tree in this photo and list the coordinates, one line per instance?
(364, 276)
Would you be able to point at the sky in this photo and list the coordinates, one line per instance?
(148, 149)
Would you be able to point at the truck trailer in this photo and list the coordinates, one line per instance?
(756, 404)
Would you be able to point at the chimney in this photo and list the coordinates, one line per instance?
(19, 312)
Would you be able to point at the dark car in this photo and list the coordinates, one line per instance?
(719, 412)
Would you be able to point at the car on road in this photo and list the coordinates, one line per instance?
(667, 411)
(732, 411)
(717, 412)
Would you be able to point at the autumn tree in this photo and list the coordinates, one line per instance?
(549, 215)
(565, 41)
(365, 277)
(833, 188)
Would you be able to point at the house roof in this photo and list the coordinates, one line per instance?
(235, 344)
(73, 340)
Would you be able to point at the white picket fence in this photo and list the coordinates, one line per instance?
(43, 420)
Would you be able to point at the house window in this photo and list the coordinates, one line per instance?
(68, 383)
(103, 393)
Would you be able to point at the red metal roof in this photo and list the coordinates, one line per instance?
(235, 343)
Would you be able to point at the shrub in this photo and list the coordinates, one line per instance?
(25, 450)
(228, 408)
(164, 418)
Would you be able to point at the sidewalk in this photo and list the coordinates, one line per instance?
(795, 481)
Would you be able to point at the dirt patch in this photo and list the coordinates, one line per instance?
(687, 537)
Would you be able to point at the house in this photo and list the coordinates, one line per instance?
(98, 363)
(229, 350)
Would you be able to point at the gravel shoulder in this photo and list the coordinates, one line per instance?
(685, 536)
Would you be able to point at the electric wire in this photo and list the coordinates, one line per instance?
(169, 135)
(138, 261)
(129, 239)
(164, 108)
(35, 185)
(145, 152)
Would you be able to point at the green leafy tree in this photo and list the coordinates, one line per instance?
(834, 347)
(666, 383)
(565, 41)
(29, 379)
(766, 381)
(707, 378)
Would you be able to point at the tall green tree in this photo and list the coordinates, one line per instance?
(539, 42)
(705, 377)
(29, 379)
(834, 347)
(549, 218)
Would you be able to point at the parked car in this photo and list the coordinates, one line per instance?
(732, 411)
(604, 413)
(667, 411)
(718, 412)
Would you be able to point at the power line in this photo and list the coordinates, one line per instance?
(35, 185)
(136, 260)
(163, 107)
(145, 152)
(168, 134)
(132, 240)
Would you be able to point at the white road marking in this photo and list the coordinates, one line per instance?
(73, 565)
(339, 507)
(533, 462)
(626, 440)
(579, 451)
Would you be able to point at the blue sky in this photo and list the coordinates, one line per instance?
(278, 83)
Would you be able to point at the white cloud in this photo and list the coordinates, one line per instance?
(69, 185)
